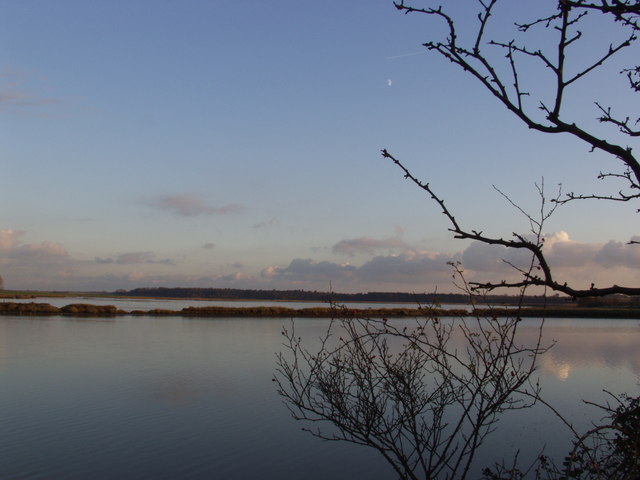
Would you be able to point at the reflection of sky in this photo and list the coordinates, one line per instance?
(592, 344)
(560, 369)
(194, 397)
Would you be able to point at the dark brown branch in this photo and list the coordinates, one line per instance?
(478, 65)
(545, 279)
(610, 53)
(623, 11)
(623, 125)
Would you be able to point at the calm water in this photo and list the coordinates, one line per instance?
(169, 398)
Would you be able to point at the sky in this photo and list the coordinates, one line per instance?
(237, 144)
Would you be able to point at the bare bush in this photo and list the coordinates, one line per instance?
(425, 393)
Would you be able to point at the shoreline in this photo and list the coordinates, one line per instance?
(84, 309)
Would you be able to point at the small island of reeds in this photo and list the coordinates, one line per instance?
(88, 310)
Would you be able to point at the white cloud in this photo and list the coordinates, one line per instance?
(10, 248)
(385, 264)
(577, 263)
(367, 245)
(408, 266)
(45, 251)
(135, 276)
(31, 265)
(481, 257)
(564, 252)
(410, 269)
(131, 258)
(9, 238)
(618, 254)
(307, 270)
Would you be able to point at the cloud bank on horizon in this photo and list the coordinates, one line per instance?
(386, 264)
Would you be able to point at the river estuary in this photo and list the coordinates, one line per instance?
(170, 397)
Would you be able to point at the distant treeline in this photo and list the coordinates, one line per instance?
(315, 296)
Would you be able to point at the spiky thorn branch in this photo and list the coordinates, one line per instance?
(623, 125)
(564, 23)
(620, 197)
(625, 11)
(519, 242)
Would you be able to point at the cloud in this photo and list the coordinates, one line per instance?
(561, 251)
(577, 263)
(10, 248)
(9, 238)
(414, 268)
(406, 267)
(481, 257)
(410, 267)
(618, 254)
(13, 93)
(384, 264)
(20, 99)
(232, 277)
(307, 270)
(367, 245)
(42, 252)
(273, 222)
(132, 258)
(189, 205)
(135, 276)
(30, 265)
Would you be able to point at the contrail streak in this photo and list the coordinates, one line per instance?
(405, 55)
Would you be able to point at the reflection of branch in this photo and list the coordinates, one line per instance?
(544, 279)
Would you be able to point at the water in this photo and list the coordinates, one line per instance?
(171, 397)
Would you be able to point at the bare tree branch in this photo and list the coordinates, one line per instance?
(543, 279)
(474, 61)
(425, 395)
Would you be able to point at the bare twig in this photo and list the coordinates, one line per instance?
(544, 279)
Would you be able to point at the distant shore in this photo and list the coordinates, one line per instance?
(236, 294)
(89, 310)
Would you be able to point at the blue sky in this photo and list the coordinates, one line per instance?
(237, 144)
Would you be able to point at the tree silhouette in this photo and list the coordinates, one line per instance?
(497, 66)
(426, 395)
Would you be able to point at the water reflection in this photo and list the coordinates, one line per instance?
(610, 346)
(588, 344)
(166, 398)
(560, 369)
